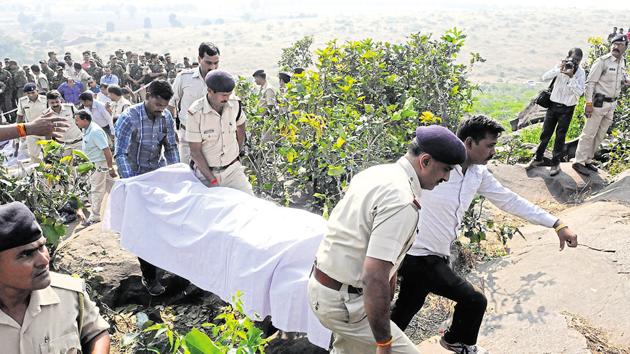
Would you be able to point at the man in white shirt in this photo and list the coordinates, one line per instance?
(569, 80)
(188, 87)
(118, 102)
(426, 267)
(98, 113)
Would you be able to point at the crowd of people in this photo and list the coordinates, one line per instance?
(395, 220)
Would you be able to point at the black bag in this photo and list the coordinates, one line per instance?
(544, 97)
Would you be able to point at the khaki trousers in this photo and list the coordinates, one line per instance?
(34, 150)
(183, 147)
(98, 187)
(343, 313)
(594, 131)
(232, 177)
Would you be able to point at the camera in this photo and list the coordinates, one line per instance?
(569, 64)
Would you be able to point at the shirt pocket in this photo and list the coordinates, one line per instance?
(211, 137)
(67, 344)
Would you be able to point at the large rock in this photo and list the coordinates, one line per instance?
(112, 272)
(532, 114)
(536, 294)
(537, 186)
(619, 190)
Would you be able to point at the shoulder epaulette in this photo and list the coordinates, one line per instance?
(67, 282)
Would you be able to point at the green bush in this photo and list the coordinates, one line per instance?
(360, 107)
(231, 332)
(53, 183)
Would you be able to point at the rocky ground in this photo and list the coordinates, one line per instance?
(540, 300)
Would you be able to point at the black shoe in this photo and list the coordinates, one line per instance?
(581, 169)
(533, 164)
(591, 167)
(154, 287)
(555, 169)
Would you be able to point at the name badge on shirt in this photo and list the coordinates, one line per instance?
(208, 131)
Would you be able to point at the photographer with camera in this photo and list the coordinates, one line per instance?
(568, 85)
(603, 87)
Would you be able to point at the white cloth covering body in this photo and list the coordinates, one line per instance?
(222, 240)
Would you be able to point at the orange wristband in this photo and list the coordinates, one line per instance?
(385, 344)
(21, 130)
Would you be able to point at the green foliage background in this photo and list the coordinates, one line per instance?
(358, 107)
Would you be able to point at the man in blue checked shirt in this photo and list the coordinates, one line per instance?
(143, 133)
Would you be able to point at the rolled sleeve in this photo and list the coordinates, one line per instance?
(93, 323)
(392, 232)
(193, 133)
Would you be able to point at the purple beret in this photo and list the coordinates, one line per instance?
(29, 87)
(441, 144)
(18, 226)
(220, 81)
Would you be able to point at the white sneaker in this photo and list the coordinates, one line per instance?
(461, 348)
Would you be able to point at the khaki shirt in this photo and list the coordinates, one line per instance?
(188, 87)
(268, 94)
(377, 217)
(216, 133)
(605, 77)
(119, 106)
(51, 321)
(31, 110)
(73, 133)
(41, 81)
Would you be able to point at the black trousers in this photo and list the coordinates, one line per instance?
(149, 271)
(558, 118)
(421, 275)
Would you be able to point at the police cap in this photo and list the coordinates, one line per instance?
(220, 81)
(441, 144)
(18, 226)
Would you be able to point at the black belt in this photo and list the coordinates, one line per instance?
(216, 169)
(331, 283)
(609, 99)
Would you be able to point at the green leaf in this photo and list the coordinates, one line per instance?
(335, 171)
(198, 342)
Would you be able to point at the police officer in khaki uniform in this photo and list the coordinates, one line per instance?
(603, 86)
(41, 311)
(31, 107)
(189, 86)
(216, 134)
(267, 92)
(72, 137)
(369, 232)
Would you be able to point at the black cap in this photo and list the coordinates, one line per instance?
(441, 144)
(29, 87)
(220, 81)
(620, 38)
(18, 226)
(298, 70)
(286, 78)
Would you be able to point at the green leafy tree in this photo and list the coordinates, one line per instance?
(297, 56)
(359, 107)
(53, 183)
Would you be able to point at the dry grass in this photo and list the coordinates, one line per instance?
(596, 338)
